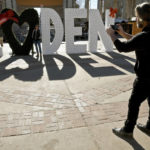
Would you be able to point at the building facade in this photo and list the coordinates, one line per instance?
(125, 7)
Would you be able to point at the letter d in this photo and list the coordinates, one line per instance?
(46, 15)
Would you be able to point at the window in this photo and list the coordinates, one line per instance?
(80, 3)
(93, 4)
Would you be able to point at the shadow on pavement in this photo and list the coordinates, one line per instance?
(65, 68)
(33, 73)
(132, 142)
(86, 64)
(62, 71)
(121, 62)
(148, 134)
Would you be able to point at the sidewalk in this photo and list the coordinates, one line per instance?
(67, 102)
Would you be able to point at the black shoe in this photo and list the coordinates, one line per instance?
(122, 133)
(143, 128)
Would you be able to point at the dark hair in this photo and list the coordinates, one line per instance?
(143, 11)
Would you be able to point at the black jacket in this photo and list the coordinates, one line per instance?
(36, 35)
(140, 43)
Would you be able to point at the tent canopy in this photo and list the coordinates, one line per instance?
(38, 3)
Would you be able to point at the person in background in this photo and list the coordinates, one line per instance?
(139, 43)
(36, 36)
(1, 37)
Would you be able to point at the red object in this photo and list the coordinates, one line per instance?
(113, 12)
(8, 15)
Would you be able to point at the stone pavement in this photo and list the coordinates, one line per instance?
(67, 102)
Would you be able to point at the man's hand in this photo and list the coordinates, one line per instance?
(123, 33)
(111, 33)
(120, 29)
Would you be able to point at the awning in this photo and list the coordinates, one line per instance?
(38, 3)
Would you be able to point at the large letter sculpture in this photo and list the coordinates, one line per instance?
(48, 14)
(108, 19)
(96, 27)
(29, 16)
(71, 31)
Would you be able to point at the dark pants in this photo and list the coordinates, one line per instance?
(140, 92)
(38, 46)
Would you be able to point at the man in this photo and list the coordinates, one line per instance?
(36, 36)
(1, 37)
(141, 87)
(1, 42)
